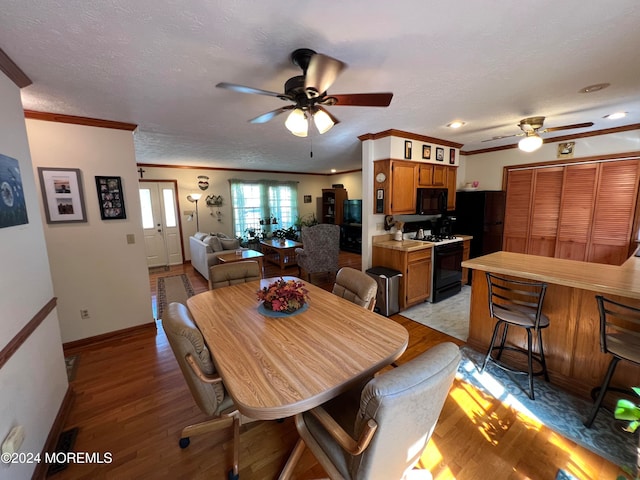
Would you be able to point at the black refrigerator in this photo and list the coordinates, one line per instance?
(481, 213)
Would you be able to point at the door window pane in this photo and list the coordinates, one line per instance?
(147, 211)
(169, 210)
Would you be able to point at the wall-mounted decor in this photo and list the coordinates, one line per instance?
(452, 156)
(426, 152)
(440, 154)
(214, 200)
(407, 149)
(203, 182)
(110, 198)
(13, 210)
(565, 149)
(62, 195)
(307, 199)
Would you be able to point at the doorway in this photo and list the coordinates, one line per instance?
(160, 223)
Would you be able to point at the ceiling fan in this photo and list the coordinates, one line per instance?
(531, 130)
(308, 92)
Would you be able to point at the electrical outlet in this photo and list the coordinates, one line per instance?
(84, 313)
(131, 238)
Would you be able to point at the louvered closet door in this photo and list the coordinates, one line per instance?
(614, 210)
(576, 211)
(545, 211)
(518, 206)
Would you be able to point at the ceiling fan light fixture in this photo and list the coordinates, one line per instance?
(297, 123)
(530, 143)
(323, 122)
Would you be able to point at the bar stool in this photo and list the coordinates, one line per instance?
(619, 336)
(517, 303)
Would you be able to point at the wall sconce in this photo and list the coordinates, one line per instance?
(194, 197)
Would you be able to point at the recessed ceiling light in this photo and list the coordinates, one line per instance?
(594, 88)
(456, 124)
(616, 116)
(333, 170)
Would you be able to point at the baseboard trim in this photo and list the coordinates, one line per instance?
(79, 345)
(40, 473)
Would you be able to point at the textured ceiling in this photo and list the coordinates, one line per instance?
(489, 63)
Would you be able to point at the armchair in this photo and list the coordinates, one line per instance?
(382, 432)
(320, 250)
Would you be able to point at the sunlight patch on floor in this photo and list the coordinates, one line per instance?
(432, 460)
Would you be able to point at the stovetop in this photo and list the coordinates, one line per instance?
(439, 239)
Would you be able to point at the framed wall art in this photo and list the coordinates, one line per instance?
(452, 156)
(426, 152)
(62, 195)
(440, 154)
(407, 149)
(110, 198)
(13, 209)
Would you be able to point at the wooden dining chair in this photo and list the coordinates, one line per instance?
(225, 274)
(381, 430)
(205, 384)
(356, 286)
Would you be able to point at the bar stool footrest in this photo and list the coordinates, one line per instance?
(500, 364)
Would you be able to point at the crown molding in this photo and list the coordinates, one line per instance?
(86, 121)
(227, 169)
(408, 135)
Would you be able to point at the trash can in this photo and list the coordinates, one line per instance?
(388, 286)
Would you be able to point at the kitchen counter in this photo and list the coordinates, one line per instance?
(404, 245)
(572, 340)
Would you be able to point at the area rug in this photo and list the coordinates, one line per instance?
(71, 362)
(450, 316)
(176, 288)
(554, 408)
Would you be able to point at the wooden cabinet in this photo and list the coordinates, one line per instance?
(430, 175)
(415, 266)
(451, 187)
(545, 210)
(466, 250)
(613, 212)
(579, 212)
(333, 205)
(576, 209)
(398, 186)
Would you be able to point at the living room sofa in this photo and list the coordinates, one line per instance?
(206, 248)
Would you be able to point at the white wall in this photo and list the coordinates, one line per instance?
(92, 265)
(187, 180)
(487, 167)
(33, 382)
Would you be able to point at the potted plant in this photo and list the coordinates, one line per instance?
(629, 411)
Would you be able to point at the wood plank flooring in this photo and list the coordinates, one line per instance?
(132, 401)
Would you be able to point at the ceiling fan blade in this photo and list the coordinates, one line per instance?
(321, 73)
(265, 117)
(361, 99)
(243, 89)
(568, 127)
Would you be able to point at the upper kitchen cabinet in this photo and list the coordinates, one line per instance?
(430, 175)
(394, 186)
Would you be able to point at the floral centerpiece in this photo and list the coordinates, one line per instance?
(284, 296)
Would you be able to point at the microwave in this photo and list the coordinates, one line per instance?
(431, 201)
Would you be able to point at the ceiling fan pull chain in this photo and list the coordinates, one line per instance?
(311, 148)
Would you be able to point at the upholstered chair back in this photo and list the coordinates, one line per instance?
(225, 274)
(186, 339)
(320, 248)
(356, 286)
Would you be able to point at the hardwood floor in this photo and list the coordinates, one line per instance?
(132, 401)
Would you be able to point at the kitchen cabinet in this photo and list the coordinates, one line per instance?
(579, 212)
(395, 181)
(451, 184)
(333, 205)
(430, 175)
(466, 251)
(416, 269)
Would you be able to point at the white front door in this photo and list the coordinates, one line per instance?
(160, 223)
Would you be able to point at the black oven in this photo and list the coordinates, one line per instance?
(447, 271)
(431, 201)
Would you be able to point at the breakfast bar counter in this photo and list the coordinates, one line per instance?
(572, 341)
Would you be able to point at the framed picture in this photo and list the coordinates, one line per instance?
(407, 149)
(307, 199)
(452, 156)
(440, 154)
(426, 152)
(110, 198)
(62, 195)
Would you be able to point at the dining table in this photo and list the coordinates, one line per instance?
(276, 367)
